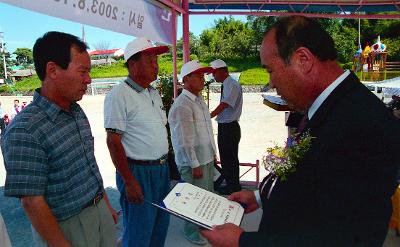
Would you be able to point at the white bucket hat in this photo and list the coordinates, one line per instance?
(143, 44)
(193, 66)
(216, 64)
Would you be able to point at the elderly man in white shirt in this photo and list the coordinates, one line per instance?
(135, 120)
(192, 136)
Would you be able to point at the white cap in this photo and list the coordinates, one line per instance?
(216, 64)
(143, 44)
(193, 66)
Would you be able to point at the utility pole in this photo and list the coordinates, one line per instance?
(83, 34)
(3, 50)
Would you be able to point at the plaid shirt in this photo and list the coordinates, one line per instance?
(48, 151)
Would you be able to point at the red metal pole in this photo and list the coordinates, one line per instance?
(174, 60)
(185, 31)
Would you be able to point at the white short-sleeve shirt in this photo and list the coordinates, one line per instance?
(138, 114)
(233, 96)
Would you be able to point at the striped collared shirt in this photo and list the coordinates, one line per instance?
(50, 152)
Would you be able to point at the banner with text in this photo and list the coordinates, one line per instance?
(139, 18)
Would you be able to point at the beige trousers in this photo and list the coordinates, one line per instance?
(92, 227)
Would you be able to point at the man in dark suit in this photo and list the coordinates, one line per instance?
(339, 194)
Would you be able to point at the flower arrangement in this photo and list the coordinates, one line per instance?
(283, 160)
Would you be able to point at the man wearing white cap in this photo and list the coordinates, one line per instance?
(135, 120)
(192, 136)
(228, 113)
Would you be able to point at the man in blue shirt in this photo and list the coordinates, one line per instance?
(228, 113)
(48, 152)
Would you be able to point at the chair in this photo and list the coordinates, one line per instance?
(250, 166)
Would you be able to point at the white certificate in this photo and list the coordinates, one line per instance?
(202, 207)
(274, 99)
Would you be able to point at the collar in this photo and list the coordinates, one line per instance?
(135, 86)
(322, 97)
(50, 108)
(189, 94)
(226, 79)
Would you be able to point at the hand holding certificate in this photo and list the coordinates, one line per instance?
(276, 102)
(201, 207)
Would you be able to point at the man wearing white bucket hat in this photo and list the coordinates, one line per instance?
(192, 136)
(135, 120)
(228, 113)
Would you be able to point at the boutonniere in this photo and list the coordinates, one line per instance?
(281, 161)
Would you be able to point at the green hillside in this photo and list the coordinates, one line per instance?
(252, 73)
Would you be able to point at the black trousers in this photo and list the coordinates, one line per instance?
(228, 145)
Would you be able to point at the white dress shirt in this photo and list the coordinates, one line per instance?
(191, 131)
(322, 97)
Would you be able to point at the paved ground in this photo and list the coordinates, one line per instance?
(261, 127)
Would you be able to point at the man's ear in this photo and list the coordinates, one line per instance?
(51, 70)
(132, 66)
(304, 59)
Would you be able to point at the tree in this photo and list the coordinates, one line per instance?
(24, 56)
(229, 38)
(8, 59)
(102, 45)
(393, 48)
(259, 25)
(346, 43)
(194, 44)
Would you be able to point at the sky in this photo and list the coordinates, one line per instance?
(22, 27)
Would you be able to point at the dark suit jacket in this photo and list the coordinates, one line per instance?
(340, 193)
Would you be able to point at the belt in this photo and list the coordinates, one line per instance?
(96, 199)
(233, 122)
(161, 161)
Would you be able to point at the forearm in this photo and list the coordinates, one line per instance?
(219, 109)
(112, 210)
(44, 221)
(118, 157)
(106, 200)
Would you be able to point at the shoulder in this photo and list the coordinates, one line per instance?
(29, 116)
(181, 102)
(120, 89)
(232, 83)
(120, 93)
(31, 121)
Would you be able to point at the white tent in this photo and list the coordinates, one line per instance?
(389, 87)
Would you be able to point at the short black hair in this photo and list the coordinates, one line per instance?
(293, 32)
(55, 47)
